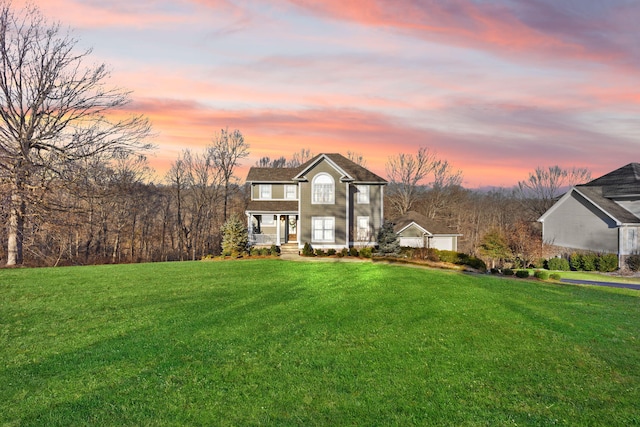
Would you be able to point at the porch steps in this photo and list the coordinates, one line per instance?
(289, 249)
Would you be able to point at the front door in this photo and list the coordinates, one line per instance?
(292, 227)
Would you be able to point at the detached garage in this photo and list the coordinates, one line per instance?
(417, 231)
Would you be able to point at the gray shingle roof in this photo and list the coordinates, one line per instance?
(621, 182)
(433, 226)
(597, 196)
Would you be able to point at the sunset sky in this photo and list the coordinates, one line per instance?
(496, 87)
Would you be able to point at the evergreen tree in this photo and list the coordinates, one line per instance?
(388, 240)
(234, 237)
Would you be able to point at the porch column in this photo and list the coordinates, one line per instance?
(278, 230)
(250, 227)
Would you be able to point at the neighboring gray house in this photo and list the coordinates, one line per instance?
(418, 231)
(600, 216)
(329, 202)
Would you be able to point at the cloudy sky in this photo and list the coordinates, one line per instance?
(496, 87)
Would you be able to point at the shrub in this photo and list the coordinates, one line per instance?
(495, 271)
(476, 263)
(589, 262)
(555, 276)
(633, 262)
(539, 263)
(541, 274)
(575, 261)
(448, 256)
(254, 251)
(353, 252)
(274, 250)
(344, 252)
(507, 272)
(366, 252)
(331, 252)
(523, 274)
(320, 252)
(234, 237)
(432, 255)
(607, 263)
(307, 250)
(559, 264)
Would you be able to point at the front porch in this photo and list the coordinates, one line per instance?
(272, 228)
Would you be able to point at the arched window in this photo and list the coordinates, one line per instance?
(323, 189)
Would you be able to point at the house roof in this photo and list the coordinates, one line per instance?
(429, 225)
(596, 195)
(272, 174)
(351, 170)
(272, 206)
(622, 182)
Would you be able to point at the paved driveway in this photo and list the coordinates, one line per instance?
(610, 284)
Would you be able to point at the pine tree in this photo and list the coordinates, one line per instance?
(234, 237)
(388, 240)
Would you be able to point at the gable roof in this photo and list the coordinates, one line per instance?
(351, 171)
(430, 226)
(622, 182)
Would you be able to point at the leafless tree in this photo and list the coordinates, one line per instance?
(227, 150)
(299, 158)
(357, 158)
(54, 109)
(267, 162)
(406, 174)
(543, 186)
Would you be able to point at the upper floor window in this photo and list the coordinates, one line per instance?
(362, 196)
(323, 189)
(265, 191)
(290, 192)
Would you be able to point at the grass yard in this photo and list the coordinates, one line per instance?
(272, 342)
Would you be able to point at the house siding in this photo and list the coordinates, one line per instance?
(277, 191)
(337, 210)
(373, 210)
(576, 223)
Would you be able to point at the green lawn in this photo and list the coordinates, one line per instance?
(272, 342)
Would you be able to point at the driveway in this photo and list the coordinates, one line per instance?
(609, 284)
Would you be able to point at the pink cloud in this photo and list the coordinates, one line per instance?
(505, 29)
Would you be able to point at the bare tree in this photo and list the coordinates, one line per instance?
(267, 162)
(540, 191)
(406, 173)
(357, 158)
(53, 110)
(227, 150)
(299, 158)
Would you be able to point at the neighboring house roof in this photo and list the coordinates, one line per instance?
(430, 226)
(351, 171)
(622, 182)
(273, 206)
(605, 193)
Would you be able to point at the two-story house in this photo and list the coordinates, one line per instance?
(329, 202)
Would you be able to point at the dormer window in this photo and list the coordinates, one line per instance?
(323, 189)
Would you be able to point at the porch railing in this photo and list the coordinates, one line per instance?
(263, 239)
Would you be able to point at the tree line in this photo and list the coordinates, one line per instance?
(76, 187)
